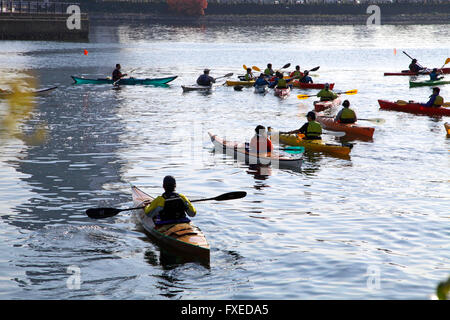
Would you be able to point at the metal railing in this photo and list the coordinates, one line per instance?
(31, 7)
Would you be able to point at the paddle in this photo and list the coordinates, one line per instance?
(287, 65)
(403, 103)
(375, 120)
(100, 213)
(132, 70)
(305, 96)
(331, 133)
(225, 76)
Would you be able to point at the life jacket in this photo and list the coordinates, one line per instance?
(314, 130)
(204, 80)
(268, 72)
(174, 208)
(248, 77)
(282, 83)
(258, 141)
(296, 74)
(116, 75)
(347, 114)
(438, 102)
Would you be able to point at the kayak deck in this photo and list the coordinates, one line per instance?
(413, 84)
(350, 128)
(324, 105)
(179, 238)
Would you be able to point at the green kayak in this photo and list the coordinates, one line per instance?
(427, 83)
(125, 81)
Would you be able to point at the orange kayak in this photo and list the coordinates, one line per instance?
(350, 128)
(324, 105)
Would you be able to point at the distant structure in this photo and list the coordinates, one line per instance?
(42, 20)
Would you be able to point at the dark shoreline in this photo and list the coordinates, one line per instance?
(259, 20)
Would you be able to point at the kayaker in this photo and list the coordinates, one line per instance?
(434, 75)
(170, 207)
(205, 79)
(116, 75)
(260, 141)
(346, 115)
(281, 82)
(249, 75)
(306, 78)
(415, 67)
(269, 71)
(326, 94)
(311, 129)
(435, 99)
(297, 74)
(261, 81)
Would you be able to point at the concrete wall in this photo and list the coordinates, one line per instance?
(41, 27)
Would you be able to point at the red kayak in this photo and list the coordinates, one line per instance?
(282, 92)
(414, 107)
(349, 128)
(324, 105)
(409, 73)
(301, 85)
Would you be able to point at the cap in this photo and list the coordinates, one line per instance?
(206, 70)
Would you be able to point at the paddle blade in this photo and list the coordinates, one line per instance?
(314, 69)
(351, 92)
(244, 66)
(447, 61)
(100, 213)
(256, 68)
(231, 196)
(287, 65)
(302, 96)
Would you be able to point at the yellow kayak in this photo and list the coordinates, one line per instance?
(313, 145)
(240, 83)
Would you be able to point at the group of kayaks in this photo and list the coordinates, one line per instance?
(188, 239)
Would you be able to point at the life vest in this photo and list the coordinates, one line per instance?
(438, 102)
(268, 72)
(282, 83)
(261, 144)
(347, 114)
(174, 207)
(314, 130)
(248, 77)
(296, 74)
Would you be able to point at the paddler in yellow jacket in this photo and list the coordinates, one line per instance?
(346, 115)
(170, 207)
(269, 71)
(249, 75)
(326, 94)
(311, 129)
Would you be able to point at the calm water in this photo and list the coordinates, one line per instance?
(375, 226)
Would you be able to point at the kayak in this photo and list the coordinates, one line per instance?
(261, 89)
(414, 107)
(282, 92)
(301, 85)
(324, 105)
(182, 238)
(409, 73)
(239, 83)
(40, 92)
(196, 87)
(313, 145)
(240, 152)
(349, 128)
(413, 84)
(124, 81)
(447, 127)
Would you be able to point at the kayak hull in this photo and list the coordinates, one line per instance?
(125, 81)
(301, 85)
(240, 83)
(414, 107)
(349, 128)
(187, 240)
(409, 73)
(239, 152)
(313, 145)
(196, 87)
(260, 89)
(413, 84)
(325, 105)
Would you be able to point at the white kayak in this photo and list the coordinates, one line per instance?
(196, 87)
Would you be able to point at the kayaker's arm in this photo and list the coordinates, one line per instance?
(190, 210)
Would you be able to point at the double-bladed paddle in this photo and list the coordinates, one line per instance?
(306, 96)
(225, 76)
(100, 213)
(375, 120)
